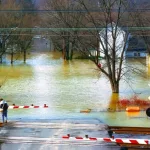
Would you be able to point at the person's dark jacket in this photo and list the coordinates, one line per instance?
(5, 107)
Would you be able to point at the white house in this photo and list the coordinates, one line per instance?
(106, 40)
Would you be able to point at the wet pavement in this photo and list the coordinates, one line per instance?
(47, 135)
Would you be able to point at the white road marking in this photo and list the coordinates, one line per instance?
(34, 140)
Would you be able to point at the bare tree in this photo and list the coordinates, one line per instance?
(101, 32)
(25, 37)
(9, 21)
(60, 16)
(112, 39)
(14, 17)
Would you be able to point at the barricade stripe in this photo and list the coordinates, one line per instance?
(37, 107)
(146, 141)
(78, 137)
(25, 107)
(142, 142)
(93, 139)
(16, 107)
(107, 139)
(65, 137)
(21, 106)
(134, 142)
(120, 141)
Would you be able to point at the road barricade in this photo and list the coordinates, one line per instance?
(113, 140)
(32, 106)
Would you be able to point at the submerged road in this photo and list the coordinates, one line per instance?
(47, 135)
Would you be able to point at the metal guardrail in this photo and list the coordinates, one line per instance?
(125, 130)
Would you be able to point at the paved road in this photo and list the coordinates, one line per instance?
(47, 135)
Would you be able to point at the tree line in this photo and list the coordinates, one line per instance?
(78, 25)
(12, 18)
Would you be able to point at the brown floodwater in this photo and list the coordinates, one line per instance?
(68, 87)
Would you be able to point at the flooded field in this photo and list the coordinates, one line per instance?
(68, 87)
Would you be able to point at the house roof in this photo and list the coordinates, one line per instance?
(136, 43)
(110, 27)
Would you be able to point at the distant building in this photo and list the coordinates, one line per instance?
(41, 44)
(136, 47)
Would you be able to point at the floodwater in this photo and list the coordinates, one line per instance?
(68, 87)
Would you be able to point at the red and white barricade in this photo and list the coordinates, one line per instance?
(32, 106)
(113, 140)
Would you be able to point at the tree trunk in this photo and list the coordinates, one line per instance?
(24, 55)
(72, 49)
(114, 86)
(12, 57)
(66, 49)
(63, 48)
(1, 59)
(114, 98)
(71, 53)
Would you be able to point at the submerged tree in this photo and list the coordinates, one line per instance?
(28, 20)
(112, 38)
(9, 21)
(15, 16)
(110, 24)
(60, 16)
(25, 37)
(101, 32)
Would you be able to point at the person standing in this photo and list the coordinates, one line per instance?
(4, 106)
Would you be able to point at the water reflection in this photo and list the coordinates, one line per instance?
(148, 70)
(113, 104)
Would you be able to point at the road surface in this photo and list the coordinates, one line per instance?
(47, 135)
